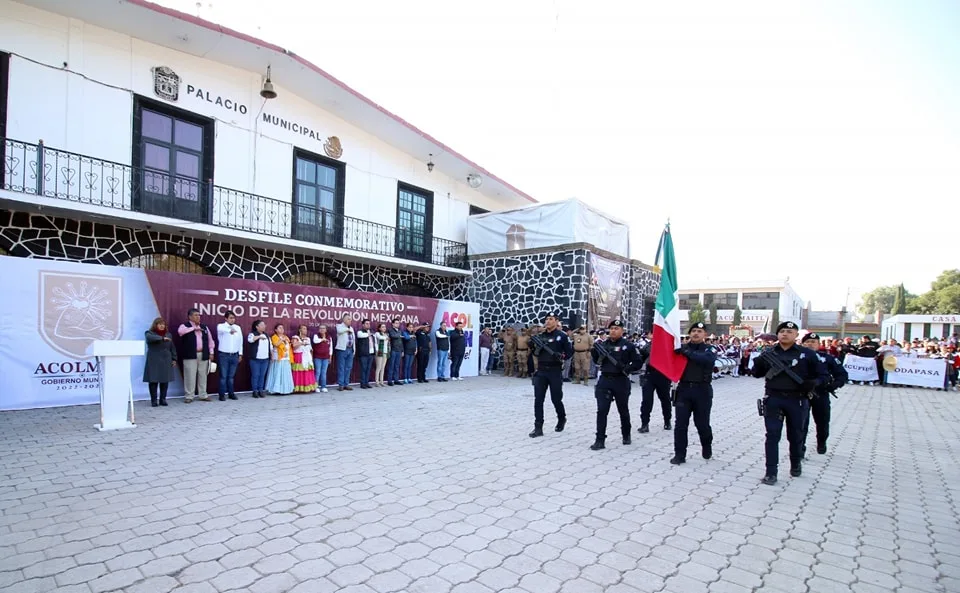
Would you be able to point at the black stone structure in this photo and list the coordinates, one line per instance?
(519, 288)
(36, 235)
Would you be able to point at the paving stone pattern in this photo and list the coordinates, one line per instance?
(437, 489)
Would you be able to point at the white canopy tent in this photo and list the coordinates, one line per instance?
(549, 224)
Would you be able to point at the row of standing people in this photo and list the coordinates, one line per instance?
(282, 364)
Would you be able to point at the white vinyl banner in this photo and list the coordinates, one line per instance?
(919, 372)
(546, 225)
(860, 368)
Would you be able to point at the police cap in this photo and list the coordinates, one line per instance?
(811, 336)
(697, 325)
(615, 323)
(787, 325)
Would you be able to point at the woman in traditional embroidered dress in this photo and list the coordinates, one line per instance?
(304, 377)
(280, 378)
(383, 352)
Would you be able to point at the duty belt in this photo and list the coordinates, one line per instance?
(692, 383)
(781, 393)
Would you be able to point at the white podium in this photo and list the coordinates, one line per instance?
(116, 390)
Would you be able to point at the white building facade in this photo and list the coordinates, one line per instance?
(757, 302)
(905, 328)
(133, 133)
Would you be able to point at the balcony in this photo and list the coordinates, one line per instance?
(81, 179)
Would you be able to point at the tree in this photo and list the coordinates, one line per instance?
(737, 315)
(696, 314)
(712, 322)
(881, 298)
(899, 301)
(774, 320)
(942, 298)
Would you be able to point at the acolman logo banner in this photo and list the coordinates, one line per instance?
(76, 309)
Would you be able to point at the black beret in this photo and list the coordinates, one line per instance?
(811, 336)
(787, 325)
(697, 325)
(615, 323)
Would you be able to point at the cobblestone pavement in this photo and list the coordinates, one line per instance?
(437, 488)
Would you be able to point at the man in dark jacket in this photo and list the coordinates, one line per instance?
(458, 349)
(195, 351)
(791, 372)
(820, 404)
(694, 395)
(424, 347)
(396, 353)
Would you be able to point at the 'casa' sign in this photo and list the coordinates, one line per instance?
(945, 318)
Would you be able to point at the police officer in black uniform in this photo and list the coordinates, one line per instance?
(786, 395)
(694, 395)
(820, 404)
(653, 381)
(549, 373)
(614, 383)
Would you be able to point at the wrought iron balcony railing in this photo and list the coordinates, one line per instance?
(39, 170)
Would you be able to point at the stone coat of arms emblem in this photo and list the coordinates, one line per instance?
(166, 83)
(76, 309)
(333, 148)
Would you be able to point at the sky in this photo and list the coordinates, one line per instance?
(815, 141)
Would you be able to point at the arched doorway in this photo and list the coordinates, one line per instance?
(312, 279)
(165, 262)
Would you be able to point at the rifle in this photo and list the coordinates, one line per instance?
(777, 367)
(602, 351)
(542, 345)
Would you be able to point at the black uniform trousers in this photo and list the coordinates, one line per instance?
(552, 377)
(423, 360)
(651, 383)
(617, 388)
(795, 410)
(693, 399)
(820, 410)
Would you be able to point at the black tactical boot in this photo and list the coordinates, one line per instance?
(821, 448)
(626, 438)
(795, 471)
(537, 432)
(707, 451)
(560, 424)
(666, 425)
(769, 480)
(598, 444)
(677, 460)
(153, 401)
(644, 428)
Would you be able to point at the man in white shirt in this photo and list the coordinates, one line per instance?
(229, 353)
(346, 344)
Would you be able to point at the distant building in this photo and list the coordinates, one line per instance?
(907, 327)
(840, 324)
(757, 302)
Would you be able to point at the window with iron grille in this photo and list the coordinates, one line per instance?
(172, 159)
(414, 222)
(318, 190)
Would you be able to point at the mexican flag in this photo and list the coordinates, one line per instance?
(666, 316)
